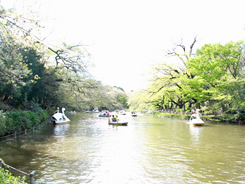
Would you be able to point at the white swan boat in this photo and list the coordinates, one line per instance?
(195, 119)
(96, 111)
(59, 118)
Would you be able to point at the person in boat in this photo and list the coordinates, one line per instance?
(113, 119)
(57, 111)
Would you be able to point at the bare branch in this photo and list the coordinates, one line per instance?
(191, 47)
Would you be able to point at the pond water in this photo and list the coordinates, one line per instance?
(149, 150)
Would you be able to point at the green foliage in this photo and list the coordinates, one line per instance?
(34, 76)
(14, 121)
(139, 100)
(43, 115)
(6, 177)
(2, 123)
(218, 80)
(17, 120)
(213, 81)
(172, 115)
(31, 119)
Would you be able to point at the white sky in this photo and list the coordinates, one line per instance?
(125, 37)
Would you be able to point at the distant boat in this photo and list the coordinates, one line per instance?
(104, 113)
(96, 111)
(133, 114)
(122, 112)
(87, 111)
(195, 119)
(59, 118)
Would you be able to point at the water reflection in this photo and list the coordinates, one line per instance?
(195, 132)
(60, 130)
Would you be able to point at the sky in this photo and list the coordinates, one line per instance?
(126, 37)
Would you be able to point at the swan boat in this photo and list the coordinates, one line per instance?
(104, 113)
(96, 111)
(59, 118)
(195, 119)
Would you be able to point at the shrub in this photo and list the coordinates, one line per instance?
(6, 177)
(43, 115)
(17, 120)
(14, 121)
(30, 119)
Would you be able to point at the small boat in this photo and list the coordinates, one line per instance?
(104, 114)
(119, 123)
(195, 119)
(87, 111)
(133, 114)
(96, 111)
(122, 112)
(113, 120)
(59, 118)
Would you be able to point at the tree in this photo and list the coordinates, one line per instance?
(34, 73)
(27, 72)
(219, 76)
(165, 89)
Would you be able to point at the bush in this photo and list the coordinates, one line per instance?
(43, 115)
(17, 120)
(6, 177)
(30, 119)
(14, 121)
(34, 107)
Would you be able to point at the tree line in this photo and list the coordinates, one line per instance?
(211, 79)
(35, 74)
(36, 78)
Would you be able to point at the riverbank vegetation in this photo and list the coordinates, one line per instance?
(35, 78)
(7, 177)
(212, 80)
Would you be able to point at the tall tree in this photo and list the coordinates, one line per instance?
(219, 76)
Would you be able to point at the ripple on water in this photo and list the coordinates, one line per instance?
(149, 150)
